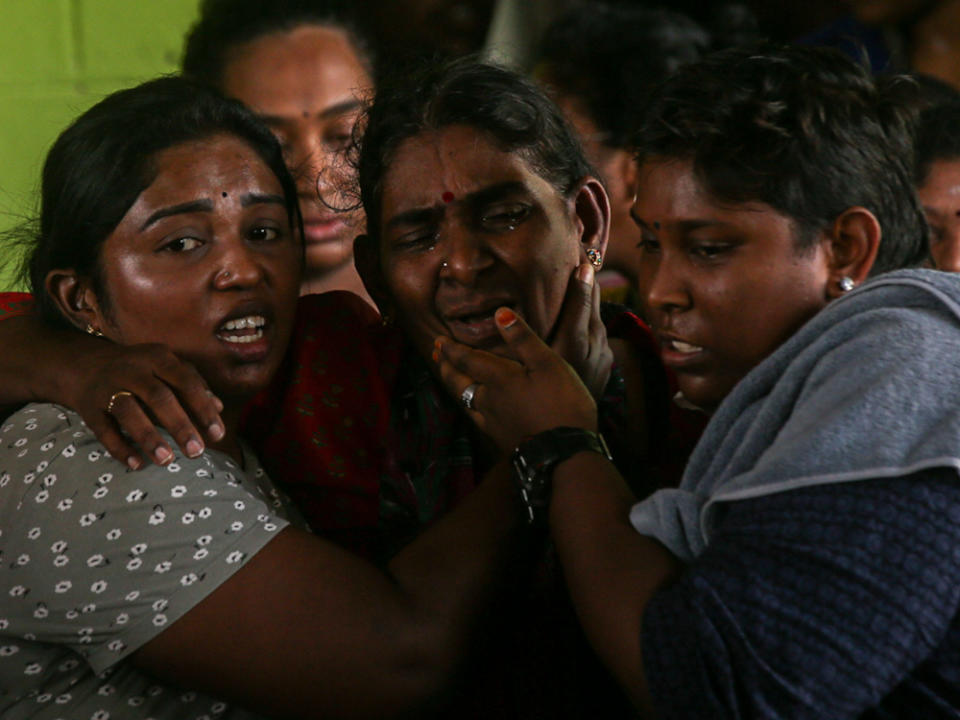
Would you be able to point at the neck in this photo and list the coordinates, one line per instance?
(344, 277)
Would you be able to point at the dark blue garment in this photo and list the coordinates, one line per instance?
(835, 601)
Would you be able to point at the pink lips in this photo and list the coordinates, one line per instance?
(321, 230)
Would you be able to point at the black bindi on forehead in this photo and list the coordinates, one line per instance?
(305, 113)
(224, 193)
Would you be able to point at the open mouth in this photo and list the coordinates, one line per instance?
(242, 330)
(474, 317)
(476, 325)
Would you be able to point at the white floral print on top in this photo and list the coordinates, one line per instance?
(96, 560)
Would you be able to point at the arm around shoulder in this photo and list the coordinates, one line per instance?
(307, 629)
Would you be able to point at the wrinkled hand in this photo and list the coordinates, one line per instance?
(581, 338)
(516, 398)
(166, 391)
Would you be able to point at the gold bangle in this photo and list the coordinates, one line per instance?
(116, 396)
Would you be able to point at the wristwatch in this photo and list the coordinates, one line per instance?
(535, 458)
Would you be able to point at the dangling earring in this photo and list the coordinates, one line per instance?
(91, 330)
(595, 258)
(846, 283)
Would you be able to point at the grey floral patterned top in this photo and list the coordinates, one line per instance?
(96, 560)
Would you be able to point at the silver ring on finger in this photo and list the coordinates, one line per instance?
(468, 394)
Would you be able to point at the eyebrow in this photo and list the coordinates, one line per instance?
(181, 209)
(478, 197)
(194, 206)
(683, 225)
(260, 198)
(341, 108)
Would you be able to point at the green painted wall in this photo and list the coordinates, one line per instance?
(58, 57)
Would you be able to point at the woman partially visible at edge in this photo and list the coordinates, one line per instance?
(168, 217)
(807, 566)
(305, 68)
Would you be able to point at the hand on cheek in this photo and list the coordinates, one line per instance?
(580, 337)
(516, 398)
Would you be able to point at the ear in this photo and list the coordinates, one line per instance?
(75, 299)
(591, 211)
(366, 257)
(852, 244)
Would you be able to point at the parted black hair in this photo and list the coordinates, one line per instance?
(226, 24)
(611, 57)
(101, 163)
(502, 105)
(804, 130)
(938, 137)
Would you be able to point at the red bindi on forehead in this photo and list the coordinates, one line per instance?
(448, 197)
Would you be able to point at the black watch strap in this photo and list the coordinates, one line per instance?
(535, 458)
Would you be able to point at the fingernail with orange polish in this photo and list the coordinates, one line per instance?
(506, 317)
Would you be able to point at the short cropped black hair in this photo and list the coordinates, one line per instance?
(938, 137)
(611, 57)
(804, 130)
(500, 104)
(226, 24)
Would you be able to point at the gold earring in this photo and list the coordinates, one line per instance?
(91, 330)
(595, 258)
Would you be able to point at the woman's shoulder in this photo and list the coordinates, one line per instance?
(906, 323)
(38, 428)
(341, 331)
(921, 293)
(339, 369)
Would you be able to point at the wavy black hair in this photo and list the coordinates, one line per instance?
(101, 163)
(804, 130)
(502, 105)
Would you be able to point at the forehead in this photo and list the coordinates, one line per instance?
(203, 168)
(287, 73)
(943, 180)
(669, 195)
(668, 188)
(457, 159)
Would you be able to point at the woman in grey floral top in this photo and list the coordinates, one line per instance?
(178, 591)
